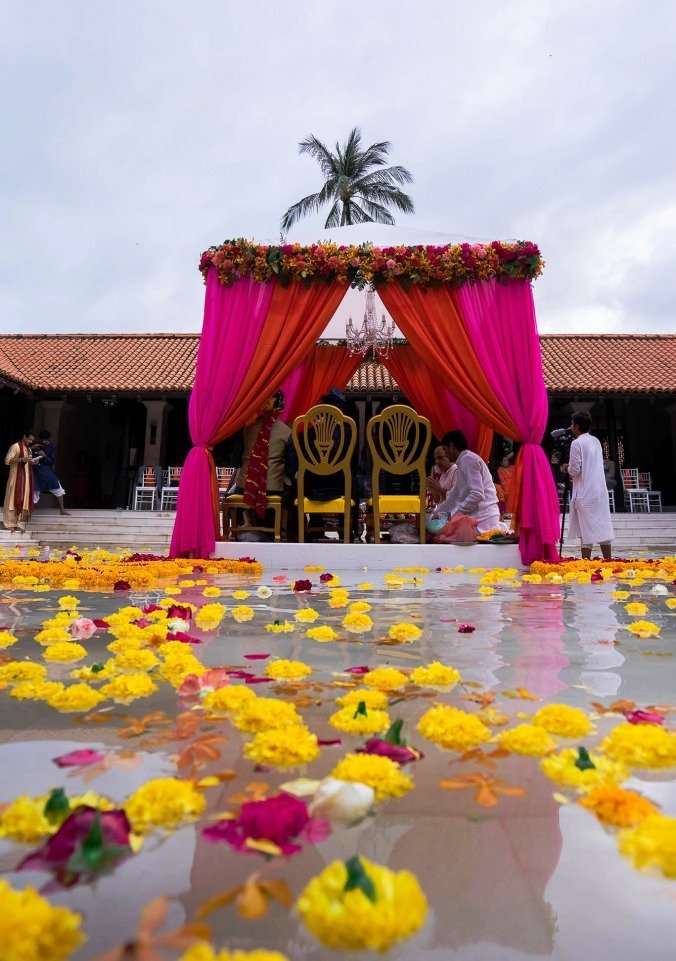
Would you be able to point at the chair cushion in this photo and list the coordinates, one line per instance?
(398, 504)
(336, 506)
(236, 500)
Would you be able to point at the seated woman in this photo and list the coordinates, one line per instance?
(505, 481)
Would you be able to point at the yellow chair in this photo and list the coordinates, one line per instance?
(398, 439)
(236, 503)
(324, 439)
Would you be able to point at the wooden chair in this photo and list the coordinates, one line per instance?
(145, 491)
(169, 493)
(235, 502)
(398, 439)
(324, 439)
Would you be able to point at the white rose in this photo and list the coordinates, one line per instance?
(659, 589)
(346, 801)
(263, 592)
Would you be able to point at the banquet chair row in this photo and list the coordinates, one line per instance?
(639, 496)
(156, 487)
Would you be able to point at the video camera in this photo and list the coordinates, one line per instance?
(563, 438)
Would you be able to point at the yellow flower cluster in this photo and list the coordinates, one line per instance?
(357, 623)
(564, 770)
(453, 729)
(280, 627)
(563, 720)
(283, 747)
(7, 639)
(287, 670)
(63, 652)
(651, 844)
(339, 597)
(641, 745)
(348, 919)
(306, 615)
(265, 714)
(644, 628)
(242, 613)
(163, 802)
(404, 633)
(436, 675)
(322, 634)
(371, 721)
(129, 687)
(616, 806)
(203, 951)
(32, 929)
(636, 609)
(22, 671)
(527, 739)
(385, 679)
(380, 773)
(227, 700)
(371, 698)
(75, 697)
(210, 616)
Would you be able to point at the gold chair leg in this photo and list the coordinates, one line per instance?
(278, 523)
(347, 518)
(423, 530)
(376, 524)
(301, 524)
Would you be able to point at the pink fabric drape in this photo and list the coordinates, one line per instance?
(500, 320)
(233, 323)
(326, 366)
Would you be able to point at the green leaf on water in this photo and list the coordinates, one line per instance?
(57, 806)
(357, 878)
(584, 762)
(361, 709)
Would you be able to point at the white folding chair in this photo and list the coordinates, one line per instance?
(145, 492)
(637, 500)
(645, 482)
(169, 495)
(611, 501)
(224, 476)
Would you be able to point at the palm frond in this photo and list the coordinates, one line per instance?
(333, 219)
(357, 215)
(303, 208)
(389, 196)
(376, 212)
(319, 152)
(388, 175)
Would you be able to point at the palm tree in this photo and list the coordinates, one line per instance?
(358, 186)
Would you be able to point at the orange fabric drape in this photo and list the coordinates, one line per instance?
(326, 366)
(430, 397)
(297, 316)
(431, 323)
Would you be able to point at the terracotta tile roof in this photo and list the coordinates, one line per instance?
(595, 363)
(100, 362)
(164, 363)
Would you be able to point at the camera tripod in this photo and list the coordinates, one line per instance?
(566, 492)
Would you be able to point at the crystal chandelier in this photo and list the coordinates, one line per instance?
(371, 335)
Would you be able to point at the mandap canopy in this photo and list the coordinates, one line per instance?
(466, 310)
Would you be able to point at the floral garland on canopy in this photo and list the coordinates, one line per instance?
(454, 264)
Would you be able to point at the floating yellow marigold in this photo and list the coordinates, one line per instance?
(306, 615)
(620, 595)
(353, 721)
(22, 671)
(241, 595)
(202, 951)
(228, 699)
(75, 697)
(380, 773)
(636, 609)
(24, 820)
(359, 607)
(651, 844)
(32, 929)
(453, 729)
(163, 802)
(37, 690)
(175, 669)
(563, 720)
(566, 769)
(435, 675)
(365, 586)
(357, 623)
(283, 747)
(128, 687)
(52, 635)
(7, 639)
(63, 652)
(527, 739)
(641, 745)
(371, 698)
(68, 602)
(373, 913)
(616, 806)
(211, 592)
(210, 616)
(322, 634)
(485, 590)
(671, 603)
(644, 629)
(287, 670)
(265, 714)
(242, 613)
(385, 679)
(280, 627)
(339, 598)
(404, 633)
(134, 660)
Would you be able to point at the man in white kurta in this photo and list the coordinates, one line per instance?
(589, 507)
(473, 491)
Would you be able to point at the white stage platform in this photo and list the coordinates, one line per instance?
(377, 557)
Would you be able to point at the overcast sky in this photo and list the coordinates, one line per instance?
(139, 132)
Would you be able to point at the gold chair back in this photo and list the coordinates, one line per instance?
(324, 440)
(398, 439)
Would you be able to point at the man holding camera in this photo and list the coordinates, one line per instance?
(589, 507)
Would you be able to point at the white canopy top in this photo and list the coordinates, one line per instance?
(380, 235)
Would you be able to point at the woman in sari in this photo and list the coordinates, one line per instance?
(19, 491)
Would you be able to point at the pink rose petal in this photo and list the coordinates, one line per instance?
(256, 657)
(316, 831)
(330, 742)
(643, 717)
(80, 758)
(362, 669)
(259, 680)
(466, 629)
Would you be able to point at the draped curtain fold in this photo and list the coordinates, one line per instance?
(432, 399)
(326, 366)
(253, 336)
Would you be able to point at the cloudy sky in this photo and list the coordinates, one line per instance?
(137, 133)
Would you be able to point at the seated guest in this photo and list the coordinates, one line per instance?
(505, 480)
(473, 491)
(441, 477)
(264, 455)
(609, 473)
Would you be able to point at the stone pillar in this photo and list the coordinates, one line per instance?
(155, 439)
(48, 415)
